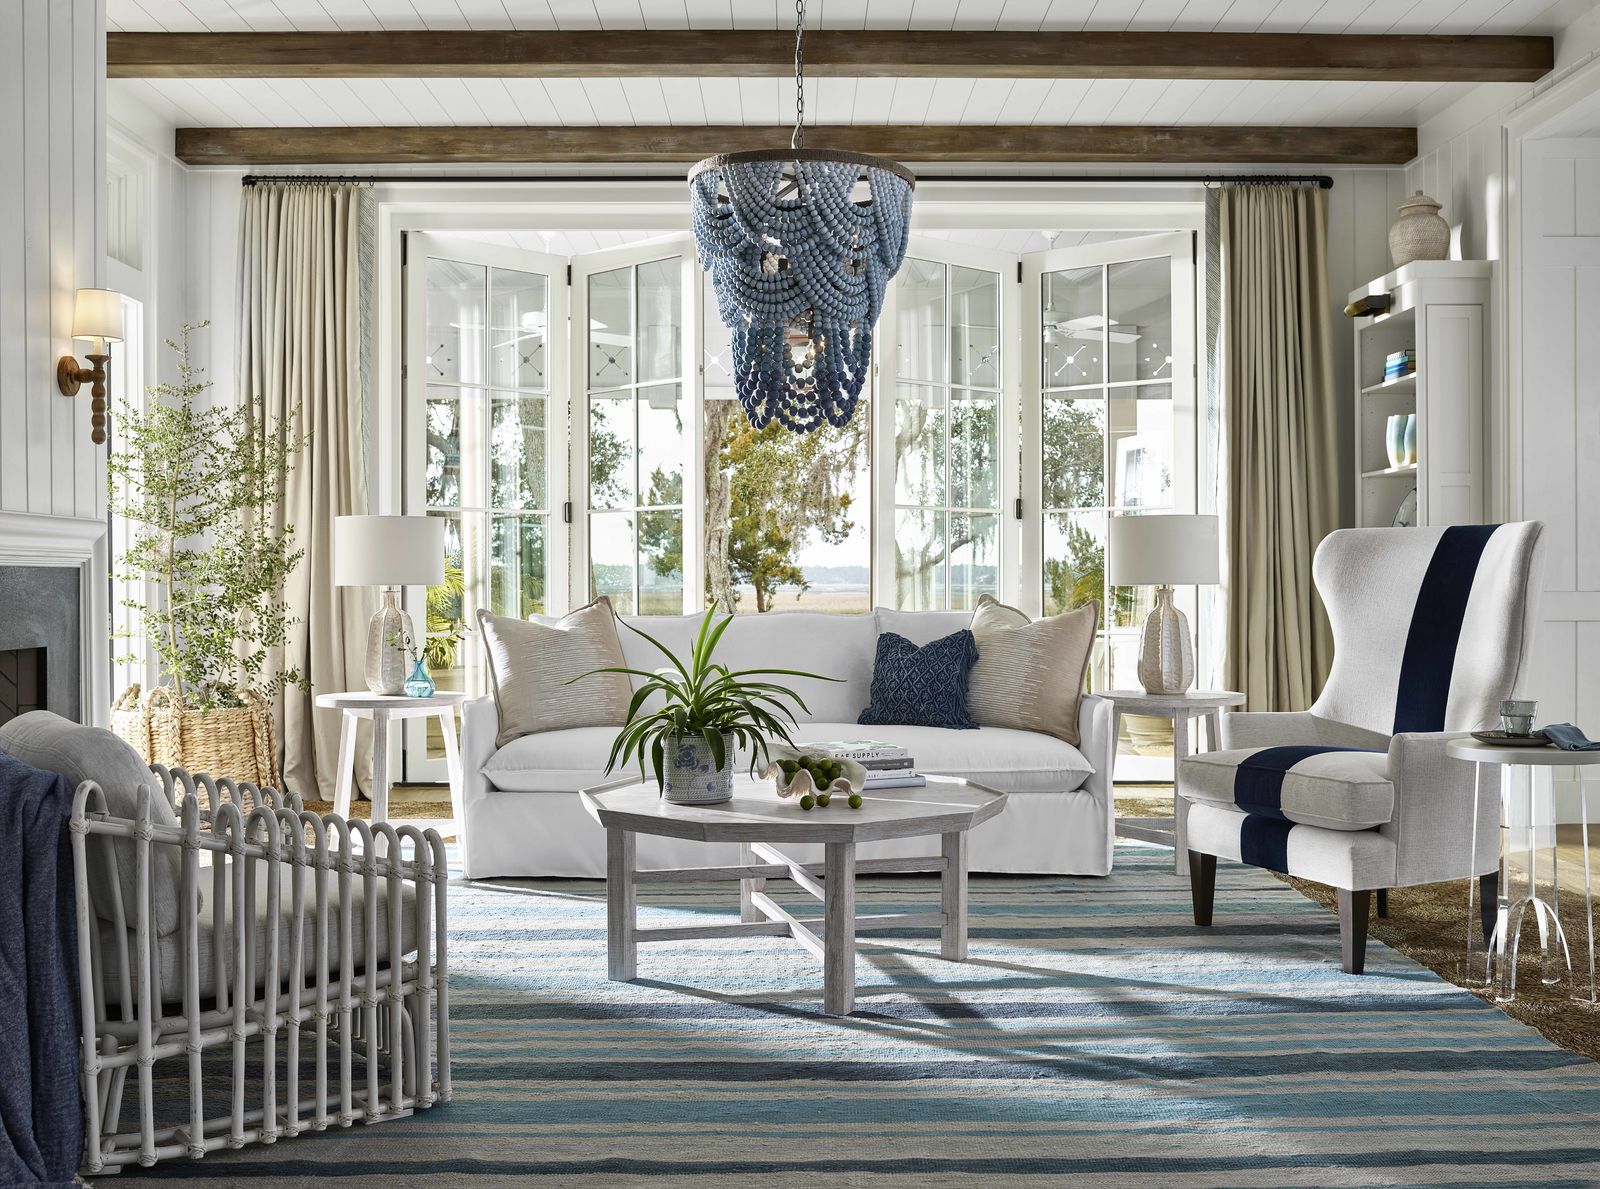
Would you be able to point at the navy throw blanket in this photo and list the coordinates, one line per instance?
(41, 1108)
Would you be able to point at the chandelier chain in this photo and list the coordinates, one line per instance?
(798, 139)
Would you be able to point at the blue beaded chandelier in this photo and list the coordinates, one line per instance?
(800, 244)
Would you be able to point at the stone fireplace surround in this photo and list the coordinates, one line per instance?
(53, 594)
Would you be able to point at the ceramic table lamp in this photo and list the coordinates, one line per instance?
(1164, 551)
(388, 552)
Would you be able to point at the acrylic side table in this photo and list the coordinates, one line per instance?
(1500, 949)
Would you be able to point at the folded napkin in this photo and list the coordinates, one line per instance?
(1569, 738)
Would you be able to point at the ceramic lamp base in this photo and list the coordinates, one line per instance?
(386, 660)
(1166, 650)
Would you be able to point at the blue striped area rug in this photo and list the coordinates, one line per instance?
(1094, 1038)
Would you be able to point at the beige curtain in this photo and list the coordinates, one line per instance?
(305, 268)
(1280, 413)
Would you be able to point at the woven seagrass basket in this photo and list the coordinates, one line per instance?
(232, 741)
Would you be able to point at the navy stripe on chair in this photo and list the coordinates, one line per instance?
(1441, 605)
(1264, 842)
(1258, 780)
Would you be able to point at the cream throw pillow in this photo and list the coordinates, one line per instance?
(531, 663)
(1029, 675)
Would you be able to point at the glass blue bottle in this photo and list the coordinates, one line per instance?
(419, 684)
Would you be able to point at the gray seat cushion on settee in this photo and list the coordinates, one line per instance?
(79, 753)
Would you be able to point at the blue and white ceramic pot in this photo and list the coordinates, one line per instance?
(691, 775)
(1411, 437)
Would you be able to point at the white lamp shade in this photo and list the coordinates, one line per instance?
(388, 550)
(97, 314)
(1163, 551)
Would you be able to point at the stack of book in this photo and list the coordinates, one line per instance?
(1399, 363)
(888, 765)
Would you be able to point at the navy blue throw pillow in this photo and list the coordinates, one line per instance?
(922, 687)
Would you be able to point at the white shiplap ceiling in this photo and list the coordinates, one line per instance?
(322, 102)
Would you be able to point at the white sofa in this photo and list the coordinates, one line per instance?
(523, 816)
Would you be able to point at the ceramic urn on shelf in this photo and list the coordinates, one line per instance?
(1419, 232)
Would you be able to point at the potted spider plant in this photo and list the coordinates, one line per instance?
(704, 713)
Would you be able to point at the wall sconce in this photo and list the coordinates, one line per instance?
(96, 316)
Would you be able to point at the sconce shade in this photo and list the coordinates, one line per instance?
(97, 314)
(388, 550)
(1164, 550)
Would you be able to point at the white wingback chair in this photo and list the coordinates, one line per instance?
(1432, 627)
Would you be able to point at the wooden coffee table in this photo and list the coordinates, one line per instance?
(758, 820)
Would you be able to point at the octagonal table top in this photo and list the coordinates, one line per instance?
(947, 804)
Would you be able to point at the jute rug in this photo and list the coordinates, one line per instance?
(1095, 1038)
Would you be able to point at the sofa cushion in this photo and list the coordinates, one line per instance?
(836, 646)
(80, 753)
(1029, 675)
(924, 686)
(920, 627)
(531, 664)
(1010, 761)
(555, 761)
(1337, 788)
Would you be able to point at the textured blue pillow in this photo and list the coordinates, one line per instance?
(922, 687)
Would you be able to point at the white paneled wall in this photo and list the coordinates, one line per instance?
(52, 241)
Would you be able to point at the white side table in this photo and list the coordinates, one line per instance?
(1205, 704)
(381, 708)
(1500, 948)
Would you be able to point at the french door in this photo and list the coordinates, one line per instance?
(486, 433)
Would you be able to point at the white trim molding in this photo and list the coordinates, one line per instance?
(70, 541)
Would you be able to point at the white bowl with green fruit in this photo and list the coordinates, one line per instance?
(816, 778)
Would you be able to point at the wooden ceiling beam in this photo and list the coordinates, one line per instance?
(1033, 143)
(860, 53)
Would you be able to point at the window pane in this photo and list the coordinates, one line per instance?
(1140, 295)
(1074, 452)
(611, 559)
(611, 328)
(517, 452)
(611, 456)
(717, 355)
(661, 563)
(919, 559)
(974, 451)
(661, 415)
(660, 320)
(519, 309)
(453, 351)
(517, 566)
(1074, 559)
(1074, 324)
(446, 611)
(974, 557)
(974, 327)
(919, 445)
(920, 321)
(1141, 446)
(442, 453)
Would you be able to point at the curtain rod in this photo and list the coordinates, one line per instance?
(1321, 180)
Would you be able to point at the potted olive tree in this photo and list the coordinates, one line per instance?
(203, 568)
(704, 713)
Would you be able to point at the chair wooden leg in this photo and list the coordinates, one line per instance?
(1383, 902)
(1202, 885)
(1488, 902)
(1354, 908)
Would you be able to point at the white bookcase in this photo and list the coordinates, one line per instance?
(1441, 309)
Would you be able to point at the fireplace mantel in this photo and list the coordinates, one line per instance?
(67, 541)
